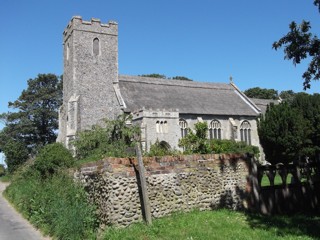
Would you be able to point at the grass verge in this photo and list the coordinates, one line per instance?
(221, 224)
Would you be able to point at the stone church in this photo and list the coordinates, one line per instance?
(164, 109)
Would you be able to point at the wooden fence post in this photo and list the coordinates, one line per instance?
(143, 184)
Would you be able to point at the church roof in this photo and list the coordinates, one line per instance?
(189, 97)
(263, 103)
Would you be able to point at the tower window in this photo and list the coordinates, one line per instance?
(96, 47)
(68, 51)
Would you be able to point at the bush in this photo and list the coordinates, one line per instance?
(231, 146)
(51, 158)
(112, 140)
(161, 149)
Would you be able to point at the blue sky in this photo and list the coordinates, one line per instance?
(205, 40)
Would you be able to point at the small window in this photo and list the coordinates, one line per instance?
(96, 47)
(157, 126)
(245, 132)
(165, 127)
(183, 127)
(68, 51)
(215, 129)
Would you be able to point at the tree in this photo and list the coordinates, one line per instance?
(299, 44)
(261, 93)
(284, 134)
(181, 78)
(34, 122)
(309, 107)
(154, 75)
(287, 95)
(16, 154)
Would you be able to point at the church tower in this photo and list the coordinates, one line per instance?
(90, 78)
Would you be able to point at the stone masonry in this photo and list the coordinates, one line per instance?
(180, 183)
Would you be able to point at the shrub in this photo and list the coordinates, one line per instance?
(161, 149)
(51, 158)
(111, 140)
(231, 146)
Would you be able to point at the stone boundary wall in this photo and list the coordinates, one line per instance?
(179, 183)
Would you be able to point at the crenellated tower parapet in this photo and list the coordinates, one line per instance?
(94, 25)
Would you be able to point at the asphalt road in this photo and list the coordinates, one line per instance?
(12, 225)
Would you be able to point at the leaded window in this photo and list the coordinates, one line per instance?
(183, 127)
(215, 129)
(245, 132)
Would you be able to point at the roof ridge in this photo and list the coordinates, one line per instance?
(174, 82)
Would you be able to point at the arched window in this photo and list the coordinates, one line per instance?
(96, 47)
(165, 127)
(157, 126)
(183, 127)
(245, 132)
(215, 129)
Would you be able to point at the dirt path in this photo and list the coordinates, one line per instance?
(13, 225)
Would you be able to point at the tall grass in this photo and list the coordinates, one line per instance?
(56, 205)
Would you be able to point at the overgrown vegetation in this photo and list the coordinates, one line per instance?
(113, 139)
(161, 148)
(197, 142)
(222, 224)
(50, 199)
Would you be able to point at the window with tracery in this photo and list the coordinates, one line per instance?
(245, 132)
(215, 129)
(183, 127)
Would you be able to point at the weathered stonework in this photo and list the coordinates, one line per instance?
(174, 184)
(90, 72)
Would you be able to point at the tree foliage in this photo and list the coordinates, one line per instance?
(261, 93)
(287, 95)
(181, 78)
(154, 75)
(34, 121)
(162, 76)
(16, 154)
(283, 133)
(299, 44)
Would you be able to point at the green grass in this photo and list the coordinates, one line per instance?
(221, 224)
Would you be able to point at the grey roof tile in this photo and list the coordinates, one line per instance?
(186, 96)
